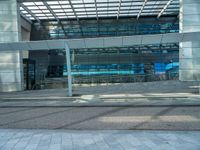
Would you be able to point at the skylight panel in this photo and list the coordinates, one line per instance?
(70, 13)
(42, 7)
(32, 7)
(71, 16)
(43, 17)
(76, 1)
(63, 2)
(55, 6)
(45, 11)
(80, 9)
(52, 2)
(28, 3)
(102, 15)
(58, 10)
(102, 4)
(39, 3)
(78, 6)
(65, 6)
(91, 16)
(60, 14)
(24, 12)
(51, 17)
(91, 13)
(90, 9)
(40, 15)
(62, 17)
(28, 15)
(21, 8)
(36, 11)
(89, 5)
(68, 10)
(88, 1)
(80, 13)
(31, 18)
(48, 15)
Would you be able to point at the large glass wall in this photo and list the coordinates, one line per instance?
(102, 28)
(117, 65)
(111, 65)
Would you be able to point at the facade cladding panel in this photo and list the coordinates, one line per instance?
(189, 51)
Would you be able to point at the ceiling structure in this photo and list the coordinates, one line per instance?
(37, 10)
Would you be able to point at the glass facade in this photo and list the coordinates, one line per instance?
(112, 65)
(103, 28)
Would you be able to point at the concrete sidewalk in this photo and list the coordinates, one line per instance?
(98, 140)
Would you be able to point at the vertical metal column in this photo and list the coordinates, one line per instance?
(68, 69)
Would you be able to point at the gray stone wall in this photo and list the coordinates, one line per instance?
(10, 62)
(190, 51)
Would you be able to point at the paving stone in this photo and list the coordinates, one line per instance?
(98, 140)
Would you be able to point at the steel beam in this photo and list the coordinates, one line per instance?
(120, 3)
(165, 7)
(144, 4)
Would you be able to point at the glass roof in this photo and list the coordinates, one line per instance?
(77, 9)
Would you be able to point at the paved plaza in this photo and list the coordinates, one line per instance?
(105, 120)
(98, 140)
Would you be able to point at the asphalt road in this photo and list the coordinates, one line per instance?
(102, 118)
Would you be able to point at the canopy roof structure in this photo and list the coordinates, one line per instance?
(100, 42)
(37, 10)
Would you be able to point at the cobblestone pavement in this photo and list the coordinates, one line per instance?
(16, 139)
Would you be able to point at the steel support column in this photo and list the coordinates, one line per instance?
(69, 76)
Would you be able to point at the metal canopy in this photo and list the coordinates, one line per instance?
(77, 9)
(106, 42)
